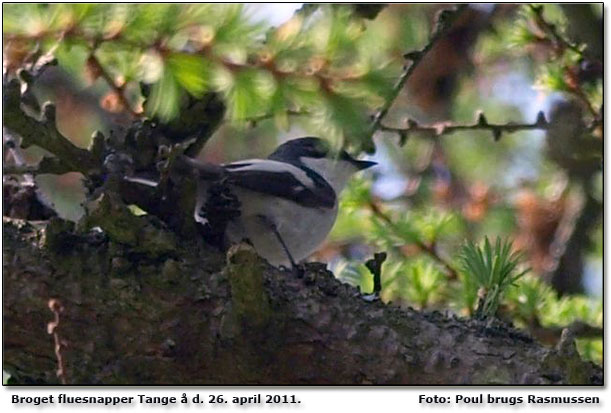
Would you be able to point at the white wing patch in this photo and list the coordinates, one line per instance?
(271, 166)
(141, 181)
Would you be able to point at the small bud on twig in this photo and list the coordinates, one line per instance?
(541, 120)
(411, 124)
(496, 133)
(481, 119)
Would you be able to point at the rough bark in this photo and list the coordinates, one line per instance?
(184, 314)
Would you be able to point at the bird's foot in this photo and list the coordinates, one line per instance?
(297, 270)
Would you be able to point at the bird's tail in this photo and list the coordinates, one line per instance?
(203, 170)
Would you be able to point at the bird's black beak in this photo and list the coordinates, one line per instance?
(358, 164)
(363, 164)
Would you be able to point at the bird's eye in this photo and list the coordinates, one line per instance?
(319, 150)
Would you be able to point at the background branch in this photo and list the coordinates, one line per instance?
(551, 30)
(447, 128)
(444, 20)
(562, 44)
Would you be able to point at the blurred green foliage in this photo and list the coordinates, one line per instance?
(325, 64)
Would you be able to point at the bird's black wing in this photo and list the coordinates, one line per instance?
(283, 180)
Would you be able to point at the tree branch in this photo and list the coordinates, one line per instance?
(552, 31)
(562, 44)
(171, 318)
(445, 19)
(256, 119)
(43, 132)
(96, 67)
(447, 128)
(47, 165)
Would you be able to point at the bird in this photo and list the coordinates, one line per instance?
(287, 203)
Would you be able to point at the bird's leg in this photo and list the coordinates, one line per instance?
(294, 267)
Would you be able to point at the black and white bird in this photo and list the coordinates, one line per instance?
(287, 202)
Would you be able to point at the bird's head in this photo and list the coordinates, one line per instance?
(334, 166)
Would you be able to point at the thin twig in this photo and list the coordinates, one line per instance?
(581, 95)
(56, 307)
(428, 249)
(119, 90)
(562, 44)
(256, 119)
(446, 128)
(445, 19)
(552, 30)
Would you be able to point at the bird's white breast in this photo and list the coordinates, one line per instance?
(302, 229)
